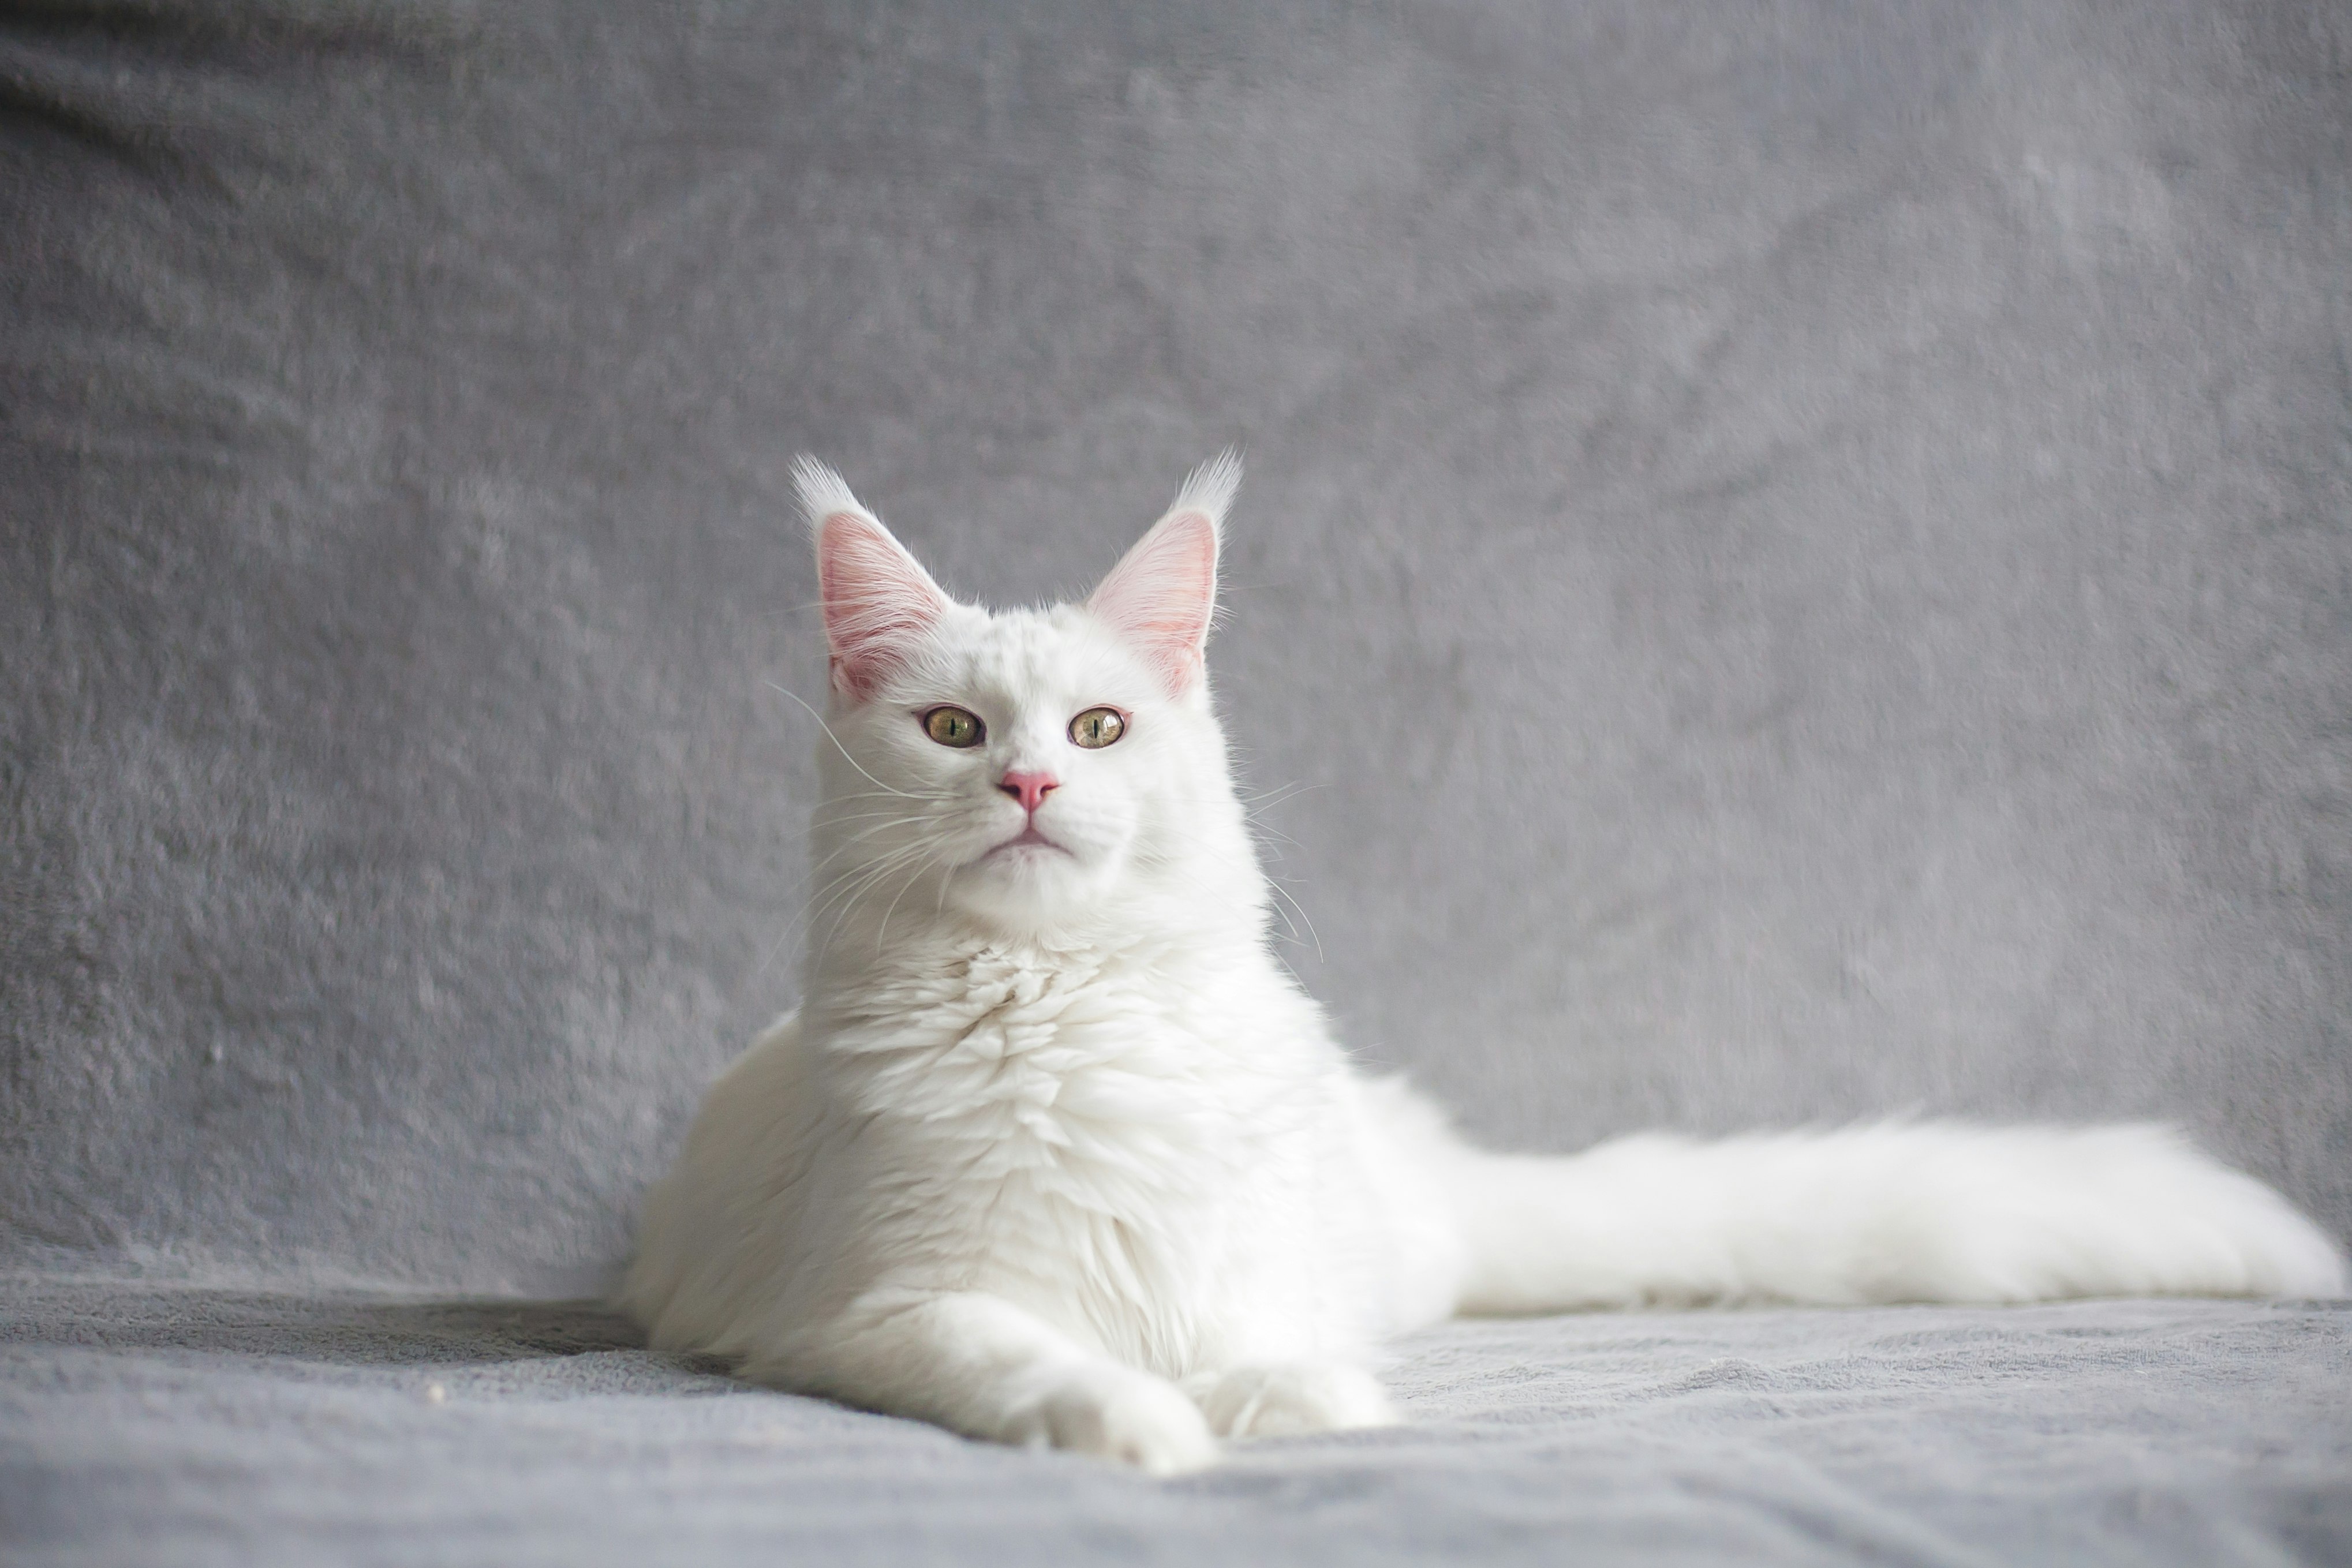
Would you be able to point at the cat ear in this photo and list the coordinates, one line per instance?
(1163, 593)
(877, 599)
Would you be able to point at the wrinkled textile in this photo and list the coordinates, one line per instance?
(142, 1425)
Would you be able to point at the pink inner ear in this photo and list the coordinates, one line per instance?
(878, 601)
(1160, 596)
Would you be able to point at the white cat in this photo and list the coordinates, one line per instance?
(1056, 1152)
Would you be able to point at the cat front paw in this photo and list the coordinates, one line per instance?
(1293, 1398)
(1114, 1413)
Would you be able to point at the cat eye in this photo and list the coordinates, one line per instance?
(954, 727)
(1097, 727)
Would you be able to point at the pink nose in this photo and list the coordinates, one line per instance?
(1029, 788)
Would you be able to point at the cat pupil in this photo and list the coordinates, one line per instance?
(953, 726)
(1097, 727)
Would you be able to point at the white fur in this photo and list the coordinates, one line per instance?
(1056, 1152)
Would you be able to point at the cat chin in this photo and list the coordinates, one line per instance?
(1031, 849)
(1027, 885)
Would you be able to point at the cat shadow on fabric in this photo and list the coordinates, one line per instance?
(356, 1331)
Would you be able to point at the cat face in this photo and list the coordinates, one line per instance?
(1028, 769)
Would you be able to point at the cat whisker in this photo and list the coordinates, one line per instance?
(820, 898)
(874, 876)
(823, 897)
(1267, 799)
(896, 794)
(1273, 885)
(837, 740)
(882, 934)
(853, 843)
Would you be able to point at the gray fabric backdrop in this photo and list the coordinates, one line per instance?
(1797, 554)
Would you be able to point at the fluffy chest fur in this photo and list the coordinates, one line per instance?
(1126, 1143)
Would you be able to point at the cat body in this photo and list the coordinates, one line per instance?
(1057, 1152)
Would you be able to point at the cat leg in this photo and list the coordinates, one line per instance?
(981, 1366)
(1286, 1399)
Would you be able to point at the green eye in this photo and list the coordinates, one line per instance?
(954, 727)
(1097, 727)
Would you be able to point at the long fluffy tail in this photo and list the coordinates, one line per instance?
(1899, 1212)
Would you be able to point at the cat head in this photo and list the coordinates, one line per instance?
(1037, 771)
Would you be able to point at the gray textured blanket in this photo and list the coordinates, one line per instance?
(1798, 556)
(145, 1426)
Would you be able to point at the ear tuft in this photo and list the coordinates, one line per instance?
(1163, 592)
(878, 599)
(822, 491)
(1209, 489)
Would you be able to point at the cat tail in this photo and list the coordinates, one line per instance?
(1893, 1212)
